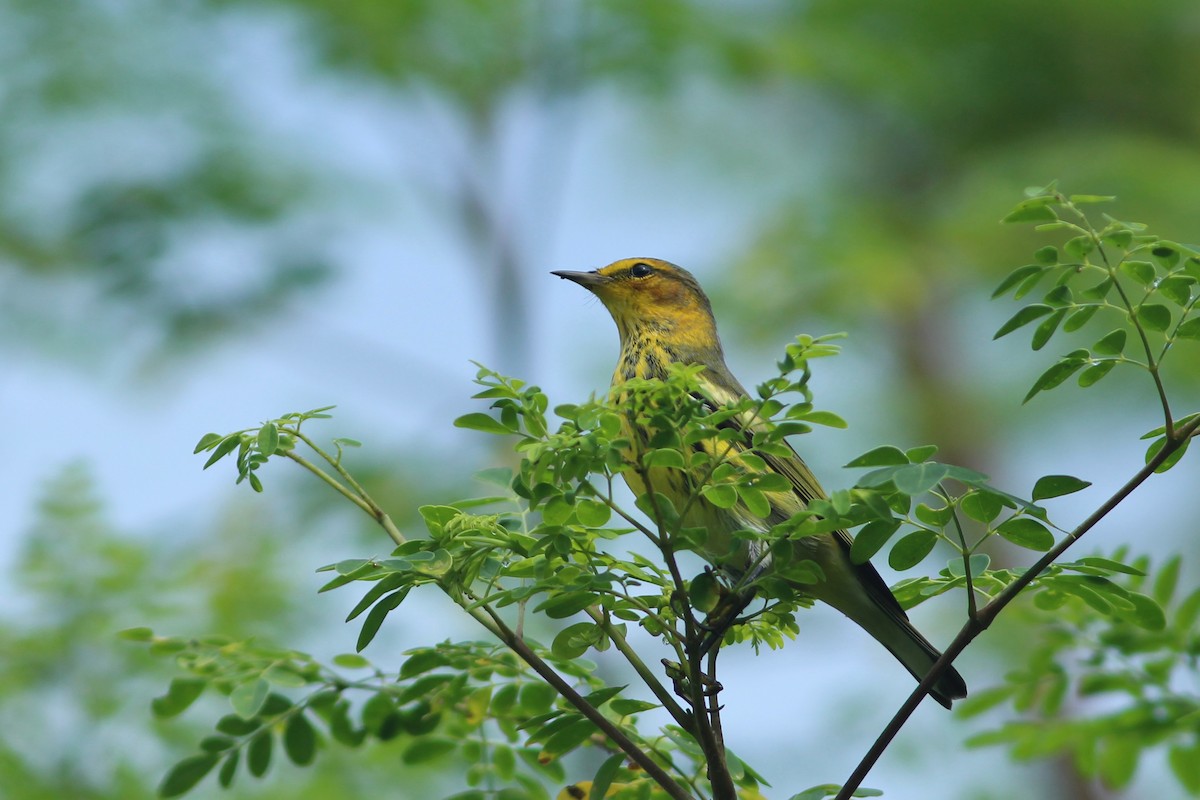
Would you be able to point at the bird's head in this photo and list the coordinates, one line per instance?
(652, 297)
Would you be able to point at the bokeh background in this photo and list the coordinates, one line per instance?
(213, 213)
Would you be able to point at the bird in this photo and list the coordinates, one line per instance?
(663, 316)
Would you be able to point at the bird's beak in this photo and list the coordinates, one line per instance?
(585, 279)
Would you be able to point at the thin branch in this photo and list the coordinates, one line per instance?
(1151, 362)
(973, 627)
(648, 677)
(327, 478)
(547, 673)
(358, 496)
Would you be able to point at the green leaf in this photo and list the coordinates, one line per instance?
(934, 517)
(139, 634)
(1095, 372)
(437, 517)
(207, 441)
(428, 748)
(922, 453)
(1098, 292)
(981, 506)
(1111, 344)
(983, 700)
(604, 776)
(830, 790)
(557, 510)
(227, 446)
(1036, 209)
(664, 457)
(285, 675)
(1029, 284)
(1080, 317)
(505, 763)
(1016, 276)
(268, 438)
(1141, 271)
(755, 501)
(1078, 247)
(385, 585)
(258, 754)
(1119, 238)
(229, 769)
(186, 774)
(1167, 253)
(625, 706)
(1027, 533)
(1117, 759)
(479, 421)
(378, 615)
(1047, 256)
(722, 495)
(880, 457)
(827, 418)
(569, 738)
(564, 605)
(592, 513)
(1054, 376)
(575, 640)
(418, 662)
(917, 479)
(234, 725)
(911, 549)
(351, 661)
(704, 592)
(1189, 329)
(1146, 613)
(1043, 332)
(1057, 485)
(1023, 317)
(872, 538)
(248, 698)
(1167, 580)
(181, 693)
(1059, 296)
(1154, 317)
(1177, 289)
(300, 740)
(978, 563)
(1185, 764)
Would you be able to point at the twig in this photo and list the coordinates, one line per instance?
(973, 627)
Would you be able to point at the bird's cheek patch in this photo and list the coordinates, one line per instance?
(667, 293)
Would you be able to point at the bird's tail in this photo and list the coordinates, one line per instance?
(914, 651)
(876, 611)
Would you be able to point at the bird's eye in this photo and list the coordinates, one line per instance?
(640, 270)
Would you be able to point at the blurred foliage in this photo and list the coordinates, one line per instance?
(138, 195)
(1104, 691)
(74, 700)
(950, 112)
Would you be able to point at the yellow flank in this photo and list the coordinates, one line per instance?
(664, 317)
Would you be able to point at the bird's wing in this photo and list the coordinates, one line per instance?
(721, 388)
